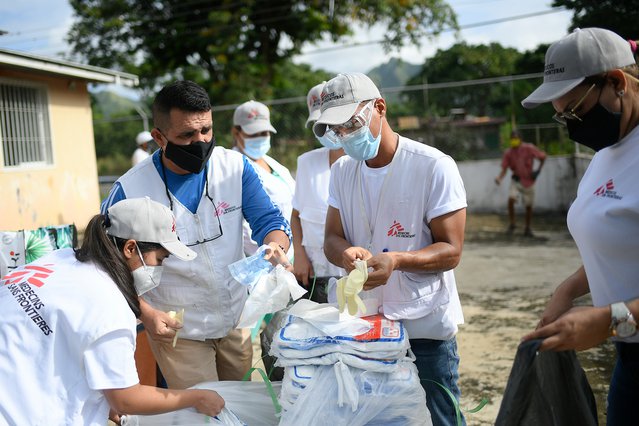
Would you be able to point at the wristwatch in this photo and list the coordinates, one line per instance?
(623, 324)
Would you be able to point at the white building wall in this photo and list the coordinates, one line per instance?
(555, 189)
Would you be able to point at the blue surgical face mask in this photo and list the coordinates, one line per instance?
(328, 142)
(361, 145)
(257, 147)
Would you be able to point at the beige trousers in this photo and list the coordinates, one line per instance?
(193, 361)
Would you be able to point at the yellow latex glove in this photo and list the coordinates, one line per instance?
(178, 316)
(348, 289)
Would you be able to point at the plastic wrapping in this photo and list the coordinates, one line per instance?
(247, 403)
(270, 294)
(339, 395)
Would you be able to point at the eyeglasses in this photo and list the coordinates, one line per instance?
(217, 211)
(562, 117)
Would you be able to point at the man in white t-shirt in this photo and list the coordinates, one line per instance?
(401, 206)
(310, 204)
(142, 151)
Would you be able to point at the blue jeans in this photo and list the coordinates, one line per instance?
(438, 360)
(624, 385)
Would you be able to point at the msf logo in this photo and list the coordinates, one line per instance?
(397, 230)
(607, 191)
(34, 275)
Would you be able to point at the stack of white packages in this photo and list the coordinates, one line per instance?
(359, 376)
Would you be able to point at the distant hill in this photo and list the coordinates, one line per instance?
(393, 73)
(110, 104)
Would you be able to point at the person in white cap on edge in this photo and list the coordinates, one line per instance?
(310, 204)
(401, 206)
(211, 190)
(591, 79)
(68, 326)
(142, 151)
(251, 133)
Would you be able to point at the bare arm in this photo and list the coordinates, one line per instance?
(141, 399)
(501, 175)
(444, 254)
(337, 250)
(562, 299)
(303, 268)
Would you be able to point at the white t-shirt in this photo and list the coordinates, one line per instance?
(67, 333)
(420, 185)
(138, 155)
(311, 201)
(604, 222)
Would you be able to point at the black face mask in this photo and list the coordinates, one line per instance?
(192, 157)
(598, 128)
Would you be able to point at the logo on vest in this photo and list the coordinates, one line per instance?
(397, 230)
(607, 191)
(223, 208)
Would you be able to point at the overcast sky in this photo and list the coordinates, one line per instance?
(39, 27)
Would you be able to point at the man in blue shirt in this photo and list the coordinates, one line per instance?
(210, 190)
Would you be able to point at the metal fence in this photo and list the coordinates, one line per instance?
(466, 119)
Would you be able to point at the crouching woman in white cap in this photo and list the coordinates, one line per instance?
(591, 79)
(68, 325)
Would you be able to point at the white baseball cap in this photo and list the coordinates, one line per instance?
(143, 137)
(340, 98)
(314, 102)
(145, 220)
(582, 53)
(253, 117)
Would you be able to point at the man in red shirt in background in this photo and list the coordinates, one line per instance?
(520, 159)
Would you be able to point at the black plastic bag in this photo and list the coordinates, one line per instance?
(546, 388)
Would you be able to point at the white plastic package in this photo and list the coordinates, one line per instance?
(339, 395)
(271, 293)
(246, 403)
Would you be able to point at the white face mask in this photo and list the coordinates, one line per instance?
(146, 277)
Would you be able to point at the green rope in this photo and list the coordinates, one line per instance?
(481, 404)
(269, 387)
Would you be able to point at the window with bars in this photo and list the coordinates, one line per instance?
(25, 132)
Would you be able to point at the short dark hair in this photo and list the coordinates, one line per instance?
(184, 95)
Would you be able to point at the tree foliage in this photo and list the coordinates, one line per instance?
(464, 62)
(620, 16)
(230, 46)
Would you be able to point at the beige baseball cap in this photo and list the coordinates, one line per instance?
(253, 117)
(340, 98)
(314, 102)
(145, 220)
(582, 53)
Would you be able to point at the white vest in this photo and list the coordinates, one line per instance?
(401, 224)
(211, 298)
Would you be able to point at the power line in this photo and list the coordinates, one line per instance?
(461, 27)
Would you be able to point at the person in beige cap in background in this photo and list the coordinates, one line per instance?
(69, 325)
(252, 130)
(211, 190)
(591, 79)
(142, 151)
(401, 206)
(310, 204)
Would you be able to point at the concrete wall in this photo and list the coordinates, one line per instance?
(67, 190)
(555, 189)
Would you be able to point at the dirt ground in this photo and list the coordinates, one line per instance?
(504, 282)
